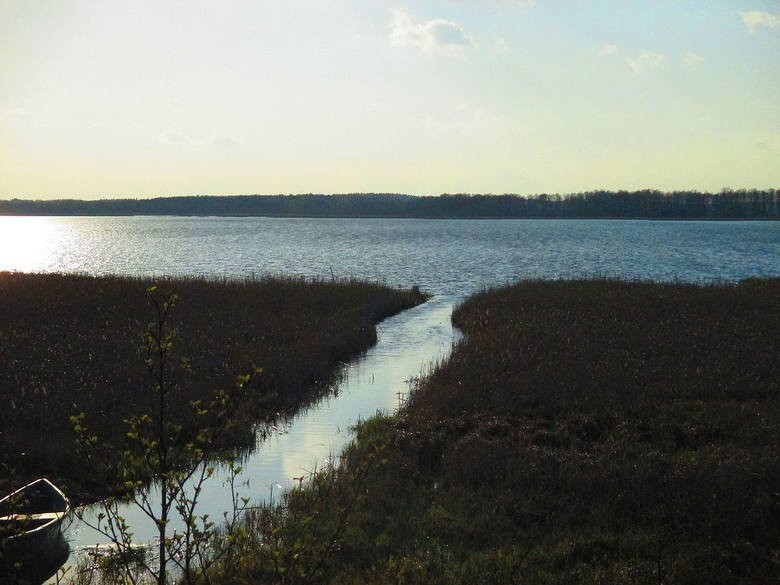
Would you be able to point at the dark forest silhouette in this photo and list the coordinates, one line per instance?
(726, 204)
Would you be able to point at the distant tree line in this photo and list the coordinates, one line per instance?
(726, 204)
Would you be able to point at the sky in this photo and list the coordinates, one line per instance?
(109, 98)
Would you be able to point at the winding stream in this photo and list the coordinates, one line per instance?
(409, 344)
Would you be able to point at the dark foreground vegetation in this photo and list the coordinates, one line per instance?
(72, 344)
(649, 204)
(582, 432)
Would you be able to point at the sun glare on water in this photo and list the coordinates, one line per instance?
(28, 244)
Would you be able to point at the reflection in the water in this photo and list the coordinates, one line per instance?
(26, 243)
(408, 343)
(36, 564)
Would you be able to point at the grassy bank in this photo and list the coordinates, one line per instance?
(582, 432)
(70, 344)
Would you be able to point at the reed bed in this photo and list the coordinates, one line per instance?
(70, 344)
(588, 431)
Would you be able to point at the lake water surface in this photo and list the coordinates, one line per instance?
(449, 258)
(446, 257)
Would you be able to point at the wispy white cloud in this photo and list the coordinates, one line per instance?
(436, 35)
(500, 48)
(645, 61)
(692, 59)
(13, 113)
(173, 138)
(222, 143)
(521, 3)
(466, 120)
(607, 50)
(15, 117)
(756, 19)
(225, 143)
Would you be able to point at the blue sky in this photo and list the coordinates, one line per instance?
(101, 98)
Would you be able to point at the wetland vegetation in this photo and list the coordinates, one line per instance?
(583, 431)
(73, 345)
(592, 431)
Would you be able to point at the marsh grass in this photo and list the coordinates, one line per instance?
(69, 344)
(589, 431)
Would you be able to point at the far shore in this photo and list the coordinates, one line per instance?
(651, 204)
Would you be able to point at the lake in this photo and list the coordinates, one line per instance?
(449, 258)
(446, 257)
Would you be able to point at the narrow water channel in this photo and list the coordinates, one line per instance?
(409, 344)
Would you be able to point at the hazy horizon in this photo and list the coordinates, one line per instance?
(104, 99)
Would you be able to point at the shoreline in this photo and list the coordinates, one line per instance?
(409, 217)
